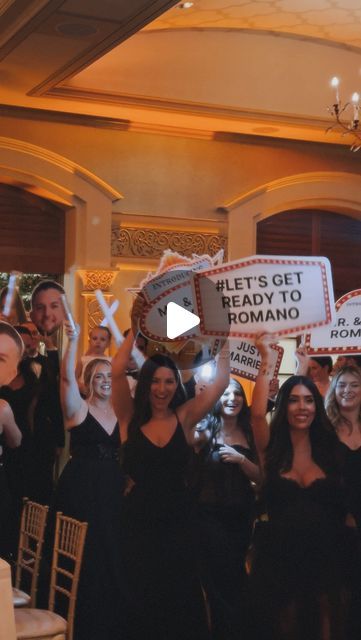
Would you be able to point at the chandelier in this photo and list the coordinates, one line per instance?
(349, 110)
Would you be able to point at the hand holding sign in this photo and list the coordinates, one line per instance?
(302, 360)
(264, 343)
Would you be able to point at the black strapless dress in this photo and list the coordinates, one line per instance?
(304, 554)
(164, 596)
(90, 489)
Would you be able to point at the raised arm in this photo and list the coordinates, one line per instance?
(73, 406)
(302, 361)
(12, 433)
(122, 400)
(192, 411)
(259, 422)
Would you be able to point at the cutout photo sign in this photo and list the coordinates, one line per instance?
(47, 310)
(344, 335)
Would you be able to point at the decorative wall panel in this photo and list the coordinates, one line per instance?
(128, 242)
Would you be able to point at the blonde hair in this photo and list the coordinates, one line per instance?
(89, 373)
(332, 407)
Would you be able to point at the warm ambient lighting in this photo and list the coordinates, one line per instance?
(336, 111)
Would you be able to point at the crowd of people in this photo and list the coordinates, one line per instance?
(208, 518)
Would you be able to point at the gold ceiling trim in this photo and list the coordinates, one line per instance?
(183, 106)
(101, 122)
(61, 117)
(250, 125)
(213, 119)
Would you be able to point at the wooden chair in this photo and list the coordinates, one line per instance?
(65, 570)
(32, 528)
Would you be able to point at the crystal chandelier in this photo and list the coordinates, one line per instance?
(348, 126)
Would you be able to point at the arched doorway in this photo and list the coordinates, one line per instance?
(310, 232)
(32, 238)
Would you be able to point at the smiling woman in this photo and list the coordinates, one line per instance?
(301, 408)
(224, 469)
(343, 406)
(302, 571)
(90, 489)
(163, 592)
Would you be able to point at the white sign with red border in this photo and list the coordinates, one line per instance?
(246, 360)
(344, 335)
(153, 323)
(173, 276)
(278, 294)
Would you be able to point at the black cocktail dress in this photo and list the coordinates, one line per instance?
(164, 596)
(90, 489)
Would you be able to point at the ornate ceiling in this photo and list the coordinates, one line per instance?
(218, 68)
(332, 20)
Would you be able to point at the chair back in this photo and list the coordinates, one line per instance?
(67, 558)
(31, 539)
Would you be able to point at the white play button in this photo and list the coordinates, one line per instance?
(179, 320)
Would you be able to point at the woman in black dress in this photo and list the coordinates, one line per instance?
(301, 572)
(343, 407)
(226, 469)
(164, 596)
(90, 489)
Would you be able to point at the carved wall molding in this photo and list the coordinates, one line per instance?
(132, 242)
(97, 279)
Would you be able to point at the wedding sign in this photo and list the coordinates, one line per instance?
(246, 360)
(344, 335)
(278, 294)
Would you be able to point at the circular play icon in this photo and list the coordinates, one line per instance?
(173, 317)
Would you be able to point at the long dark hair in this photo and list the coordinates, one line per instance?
(142, 407)
(213, 420)
(279, 452)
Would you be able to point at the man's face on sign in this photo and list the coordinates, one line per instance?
(47, 312)
(9, 359)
